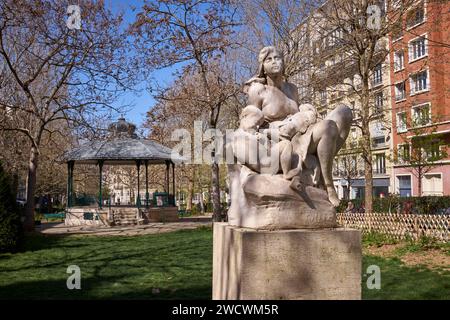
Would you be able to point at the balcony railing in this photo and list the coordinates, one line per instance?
(399, 97)
(379, 171)
(377, 81)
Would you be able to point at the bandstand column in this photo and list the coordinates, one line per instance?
(100, 198)
(147, 195)
(167, 177)
(173, 182)
(70, 165)
(138, 198)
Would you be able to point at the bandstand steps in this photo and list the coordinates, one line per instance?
(125, 216)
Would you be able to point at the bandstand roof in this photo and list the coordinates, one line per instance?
(122, 147)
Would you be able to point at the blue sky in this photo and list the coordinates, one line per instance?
(141, 102)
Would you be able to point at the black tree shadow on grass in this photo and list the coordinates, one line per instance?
(178, 264)
(100, 288)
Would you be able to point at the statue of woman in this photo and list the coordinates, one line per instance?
(278, 102)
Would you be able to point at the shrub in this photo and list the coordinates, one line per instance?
(10, 223)
(377, 239)
(394, 204)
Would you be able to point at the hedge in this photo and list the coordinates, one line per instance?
(11, 233)
(418, 205)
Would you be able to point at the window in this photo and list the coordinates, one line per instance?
(380, 164)
(401, 122)
(354, 164)
(399, 61)
(377, 75)
(418, 48)
(404, 186)
(336, 172)
(353, 140)
(432, 184)
(323, 97)
(419, 82)
(335, 38)
(400, 91)
(379, 142)
(416, 16)
(421, 115)
(396, 4)
(436, 150)
(403, 153)
(378, 101)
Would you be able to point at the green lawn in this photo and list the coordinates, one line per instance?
(177, 263)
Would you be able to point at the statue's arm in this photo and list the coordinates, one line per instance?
(255, 95)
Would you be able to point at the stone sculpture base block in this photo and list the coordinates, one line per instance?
(263, 201)
(286, 264)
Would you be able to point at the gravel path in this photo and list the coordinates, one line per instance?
(151, 228)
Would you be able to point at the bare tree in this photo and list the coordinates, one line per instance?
(181, 105)
(195, 32)
(57, 72)
(276, 22)
(346, 167)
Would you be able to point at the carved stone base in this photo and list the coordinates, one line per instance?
(264, 201)
(286, 264)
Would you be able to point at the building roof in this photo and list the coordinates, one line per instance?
(122, 147)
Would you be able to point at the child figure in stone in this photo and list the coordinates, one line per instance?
(250, 121)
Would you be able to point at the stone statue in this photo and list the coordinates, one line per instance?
(282, 175)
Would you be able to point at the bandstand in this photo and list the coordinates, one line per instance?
(123, 147)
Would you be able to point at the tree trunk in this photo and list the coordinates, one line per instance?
(419, 182)
(367, 148)
(31, 185)
(368, 186)
(368, 173)
(215, 192)
(190, 194)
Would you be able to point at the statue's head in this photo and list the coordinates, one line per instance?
(268, 57)
(270, 61)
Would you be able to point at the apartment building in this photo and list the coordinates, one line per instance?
(419, 72)
(331, 79)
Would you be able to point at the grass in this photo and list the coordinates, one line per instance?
(179, 264)
(399, 282)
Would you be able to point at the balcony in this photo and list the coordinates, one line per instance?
(378, 171)
(377, 81)
(400, 97)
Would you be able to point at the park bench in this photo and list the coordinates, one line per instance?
(60, 215)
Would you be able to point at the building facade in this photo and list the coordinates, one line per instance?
(420, 68)
(409, 93)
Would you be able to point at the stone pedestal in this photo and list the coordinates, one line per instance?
(286, 264)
